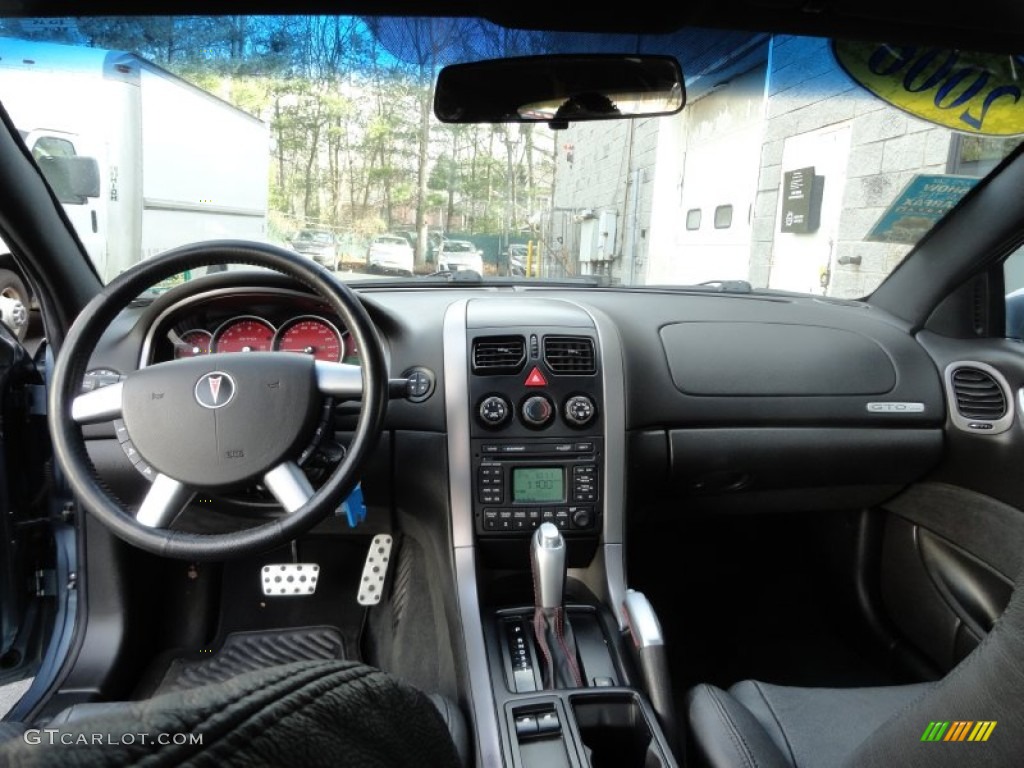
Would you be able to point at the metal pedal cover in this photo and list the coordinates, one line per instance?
(290, 579)
(371, 585)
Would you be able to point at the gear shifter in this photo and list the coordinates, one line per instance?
(550, 624)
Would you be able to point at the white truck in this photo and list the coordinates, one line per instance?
(141, 160)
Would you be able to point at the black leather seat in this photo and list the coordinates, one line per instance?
(770, 726)
(311, 713)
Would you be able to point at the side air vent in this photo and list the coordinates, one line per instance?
(979, 398)
(570, 355)
(978, 395)
(499, 354)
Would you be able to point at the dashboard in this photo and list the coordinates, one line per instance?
(720, 402)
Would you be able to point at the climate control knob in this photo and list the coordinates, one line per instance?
(494, 411)
(537, 410)
(579, 410)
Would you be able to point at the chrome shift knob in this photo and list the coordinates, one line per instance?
(547, 559)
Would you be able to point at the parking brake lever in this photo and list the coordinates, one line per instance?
(645, 630)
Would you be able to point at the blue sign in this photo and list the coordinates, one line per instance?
(925, 200)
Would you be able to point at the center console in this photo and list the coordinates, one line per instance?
(534, 399)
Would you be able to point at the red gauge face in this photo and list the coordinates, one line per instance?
(192, 343)
(310, 336)
(244, 334)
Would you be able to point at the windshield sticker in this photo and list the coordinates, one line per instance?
(977, 93)
(925, 200)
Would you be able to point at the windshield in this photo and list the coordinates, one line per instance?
(797, 164)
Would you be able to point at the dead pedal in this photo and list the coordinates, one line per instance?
(375, 569)
(290, 579)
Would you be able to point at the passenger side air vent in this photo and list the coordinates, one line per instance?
(979, 398)
(499, 354)
(570, 355)
(978, 395)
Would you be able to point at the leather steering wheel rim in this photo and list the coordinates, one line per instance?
(72, 361)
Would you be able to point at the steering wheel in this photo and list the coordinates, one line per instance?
(216, 422)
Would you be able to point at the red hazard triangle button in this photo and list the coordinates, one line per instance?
(536, 378)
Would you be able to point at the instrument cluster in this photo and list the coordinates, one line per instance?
(266, 323)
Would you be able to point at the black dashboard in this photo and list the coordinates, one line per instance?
(726, 400)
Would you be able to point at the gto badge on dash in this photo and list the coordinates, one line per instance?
(895, 407)
(215, 389)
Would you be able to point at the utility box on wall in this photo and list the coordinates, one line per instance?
(606, 224)
(801, 201)
(597, 236)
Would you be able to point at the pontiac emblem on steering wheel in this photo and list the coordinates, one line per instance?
(215, 390)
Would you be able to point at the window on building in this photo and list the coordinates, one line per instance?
(723, 217)
(977, 155)
(693, 219)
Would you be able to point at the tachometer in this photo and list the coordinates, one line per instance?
(311, 336)
(191, 343)
(244, 334)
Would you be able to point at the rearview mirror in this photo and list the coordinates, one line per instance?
(72, 179)
(559, 89)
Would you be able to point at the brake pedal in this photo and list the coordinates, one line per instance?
(290, 579)
(375, 569)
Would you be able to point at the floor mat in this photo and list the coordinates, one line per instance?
(248, 651)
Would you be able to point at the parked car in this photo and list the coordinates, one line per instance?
(736, 483)
(390, 253)
(515, 259)
(319, 245)
(459, 255)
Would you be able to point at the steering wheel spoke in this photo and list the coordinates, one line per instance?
(340, 380)
(289, 485)
(163, 502)
(103, 404)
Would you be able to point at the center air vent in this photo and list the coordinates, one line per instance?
(979, 398)
(499, 355)
(570, 354)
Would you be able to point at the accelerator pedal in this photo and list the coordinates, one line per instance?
(375, 570)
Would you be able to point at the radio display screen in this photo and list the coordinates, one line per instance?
(538, 485)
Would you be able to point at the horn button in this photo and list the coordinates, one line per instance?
(222, 420)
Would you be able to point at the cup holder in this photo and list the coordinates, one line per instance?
(616, 732)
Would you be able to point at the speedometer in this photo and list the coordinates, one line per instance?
(244, 334)
(311, 336)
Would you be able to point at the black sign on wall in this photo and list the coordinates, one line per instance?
(801, 201)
